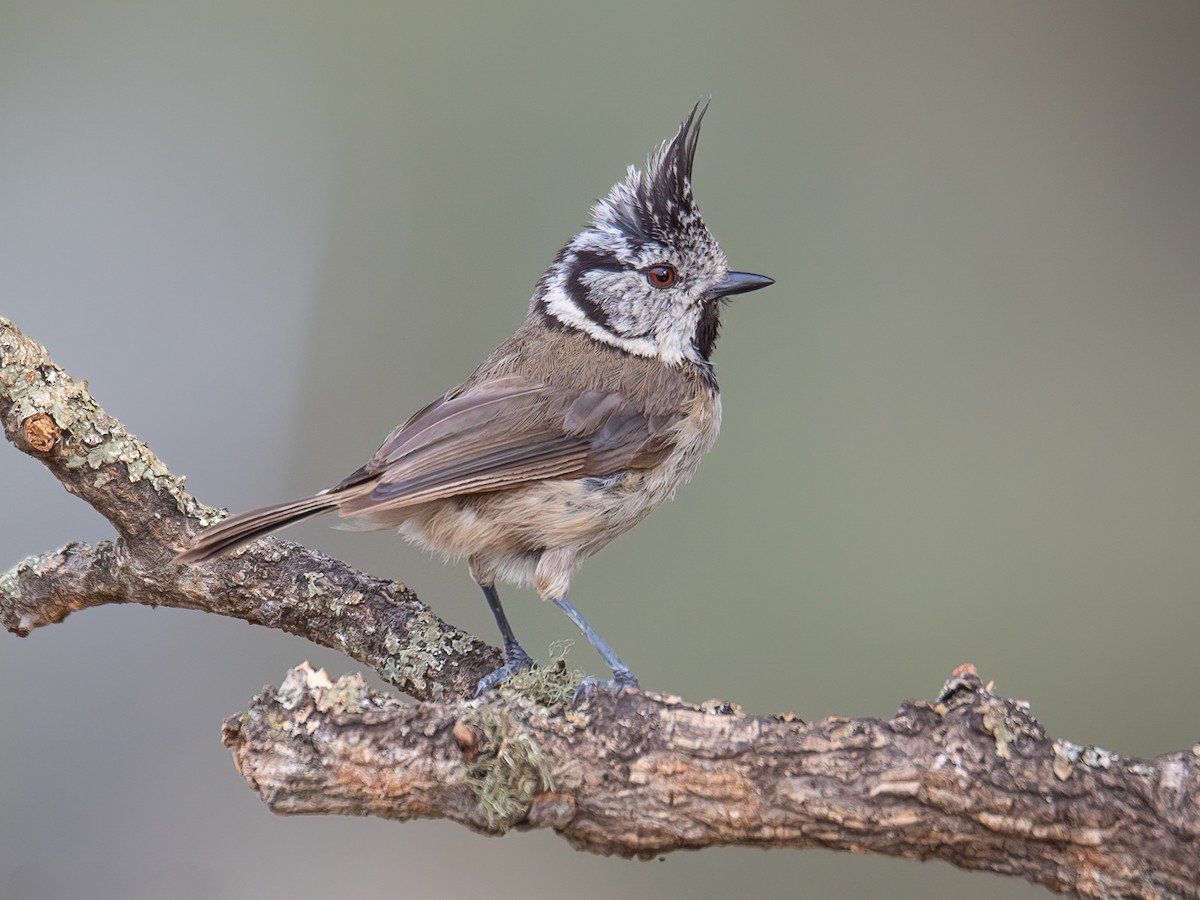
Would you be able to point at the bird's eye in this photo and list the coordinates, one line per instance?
(661, 276)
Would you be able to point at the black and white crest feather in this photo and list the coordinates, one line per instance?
(598, 282)
(657, 204)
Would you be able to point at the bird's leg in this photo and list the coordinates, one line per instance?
(515, 658)
(622, 677)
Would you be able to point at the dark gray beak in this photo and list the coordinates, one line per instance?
(740, 283)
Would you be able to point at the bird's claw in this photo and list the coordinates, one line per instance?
(515, 660)
(590, 686)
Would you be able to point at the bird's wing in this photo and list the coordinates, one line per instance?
(505, 432)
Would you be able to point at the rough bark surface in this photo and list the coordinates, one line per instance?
(970, 778)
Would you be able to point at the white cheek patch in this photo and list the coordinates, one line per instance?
(562, 307)
(631, 308)
(673, 329)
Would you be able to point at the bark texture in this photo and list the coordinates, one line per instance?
(970, 778)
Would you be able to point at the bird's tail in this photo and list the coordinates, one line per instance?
(228, 535)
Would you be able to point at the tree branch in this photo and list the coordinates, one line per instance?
(971, 779)
(275, 583)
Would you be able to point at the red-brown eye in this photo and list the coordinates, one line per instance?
(661, 276)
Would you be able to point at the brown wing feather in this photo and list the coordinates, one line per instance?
(488, 437)
(507, 432)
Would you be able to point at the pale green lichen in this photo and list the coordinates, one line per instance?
(1006, 728)
(304, 685)
(547, 684)
(430, 643)
(999, 728)
(338, 603)
(509, 769)
(346, 695)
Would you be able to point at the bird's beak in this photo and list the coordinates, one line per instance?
(740, 283)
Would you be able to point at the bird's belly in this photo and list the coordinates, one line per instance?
(580, 513)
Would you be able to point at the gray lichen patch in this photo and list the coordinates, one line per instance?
(1068, 755)
(392, 644)
(348, 694)
(413, 661)
(430, 644)
(299, 684)
(339, 601)
(1099, 758)
(1007, 725)
(303, 683)
(508, 770)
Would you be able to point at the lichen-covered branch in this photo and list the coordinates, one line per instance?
(970, 779)
(54, 419)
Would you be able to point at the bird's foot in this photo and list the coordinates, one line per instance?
(515, 660)
(622, 681)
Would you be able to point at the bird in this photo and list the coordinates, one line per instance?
(573, 429)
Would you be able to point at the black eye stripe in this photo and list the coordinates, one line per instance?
(585, 260)
(582, 262)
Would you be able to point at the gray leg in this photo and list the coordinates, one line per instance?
(515, 658)
(622, 677)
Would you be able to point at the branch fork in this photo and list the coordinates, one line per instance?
(970, 778)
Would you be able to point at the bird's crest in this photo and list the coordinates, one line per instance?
(655, 204)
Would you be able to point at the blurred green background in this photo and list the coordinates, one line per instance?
(963, 426)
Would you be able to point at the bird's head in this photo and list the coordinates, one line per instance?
(647, 277)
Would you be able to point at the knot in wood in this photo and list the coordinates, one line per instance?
(39, 433)
(469, 737)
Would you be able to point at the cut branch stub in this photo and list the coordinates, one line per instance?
(39, 434)
(53, 418)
